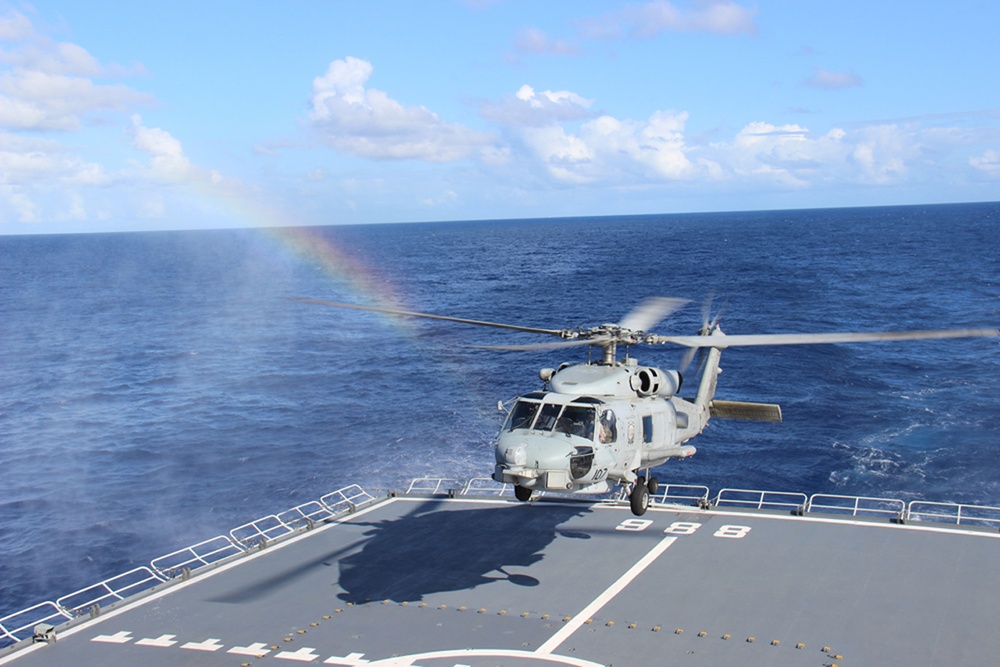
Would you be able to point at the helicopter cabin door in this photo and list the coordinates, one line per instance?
(629, 418)
(654, 431)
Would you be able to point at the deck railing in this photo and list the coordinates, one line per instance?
(109, 591)
(196, 556)
(20, 625)
(761, 500)
(957, 513)
(681, 494)
(856, 505)
(434, 485)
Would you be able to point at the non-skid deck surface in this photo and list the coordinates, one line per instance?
(443, 583)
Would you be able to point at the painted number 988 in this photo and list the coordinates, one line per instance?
(684, 528)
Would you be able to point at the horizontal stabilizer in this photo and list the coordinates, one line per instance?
(757, 412)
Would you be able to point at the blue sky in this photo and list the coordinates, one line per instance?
(122, 115)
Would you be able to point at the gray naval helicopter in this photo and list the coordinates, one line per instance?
(609, 422)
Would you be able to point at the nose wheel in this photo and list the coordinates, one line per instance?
(639, 497)
(522, 494)
(641, 492)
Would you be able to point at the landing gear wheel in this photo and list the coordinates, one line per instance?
(654, 485)
(522, 494)
(639, 498)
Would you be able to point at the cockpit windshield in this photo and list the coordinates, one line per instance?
(578, 420)
(547, 417)
(522, 415)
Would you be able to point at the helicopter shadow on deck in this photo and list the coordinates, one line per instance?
(431, 551)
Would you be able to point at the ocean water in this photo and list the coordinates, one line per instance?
(158, 389)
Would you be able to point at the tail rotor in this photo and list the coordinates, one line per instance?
(708, 323)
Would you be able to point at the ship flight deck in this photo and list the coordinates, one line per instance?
(455, 580)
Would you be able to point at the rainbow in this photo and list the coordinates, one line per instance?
(310, 244)
(365, 283)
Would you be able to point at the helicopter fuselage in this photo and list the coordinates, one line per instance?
(598, 426)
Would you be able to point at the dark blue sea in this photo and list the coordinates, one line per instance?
(158, 389)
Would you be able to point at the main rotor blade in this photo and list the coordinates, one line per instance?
(546, 346)
(406, 313)
(650, 312)
(723, 342)
(687, 359)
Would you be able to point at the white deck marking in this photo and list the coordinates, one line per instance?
(304, 654)
(259, 648)
(913, 525)
(122, 637)
(211, 644)
(414, 660)
(349, 660)
(162, 641)
(614, 589)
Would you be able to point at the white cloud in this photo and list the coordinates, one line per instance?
(606, 149)
(533, 41)
(822, 78)
(369, 123)
(39, 100)
(652, 18)
(882, 152)
(33, 160)
(530, 108)
(565, 157)
(781, 154)
(610, 151)
(152, 207)
(37, 174)
(167, 161)
(15, 27)
(25, 209)
(49, 92)
(443, 199)
(988, 162)
(56, 58)
(657, 145)
(792, 156)
(77, 209)
(47, 85)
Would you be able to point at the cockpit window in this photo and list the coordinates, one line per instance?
(577, 420)
(609, 428)
(522, 415)
(547, 417)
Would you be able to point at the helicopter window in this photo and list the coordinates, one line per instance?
(547, 417)
(647, 429)
(577, 420)
(609, 428)
(522, 415)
